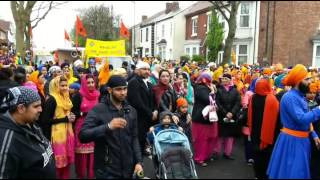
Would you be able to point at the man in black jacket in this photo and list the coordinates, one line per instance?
(112, 125)
(25, 152)
(141, 97)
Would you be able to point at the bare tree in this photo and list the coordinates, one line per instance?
(22, 11)
(226, 8)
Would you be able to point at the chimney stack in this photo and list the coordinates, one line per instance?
(172, 6)
(144, 17)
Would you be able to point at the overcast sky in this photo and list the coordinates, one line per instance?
(49, 34)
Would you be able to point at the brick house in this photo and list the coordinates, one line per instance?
(4, 33)
(245, 44)
(289, 33)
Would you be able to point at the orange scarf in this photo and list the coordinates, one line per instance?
(270, 113)
(34, 77)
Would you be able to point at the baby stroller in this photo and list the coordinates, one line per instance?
(172, 155)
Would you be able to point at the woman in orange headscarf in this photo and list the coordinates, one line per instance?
(39, 80)
(263, 124)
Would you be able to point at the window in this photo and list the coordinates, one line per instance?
(162, 30)
(171, 29)
(244, 15)
(141, 35)
(243, 54)
(220, 57)
(194, 26)
(146, 52)
(221, 21)
(188, 51)
(3, 35)
(209, 21)
(317, 58)
(194, 51)
(147, 34)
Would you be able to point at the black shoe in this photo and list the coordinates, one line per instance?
(228, 157)
(214, 157)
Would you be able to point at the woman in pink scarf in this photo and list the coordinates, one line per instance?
(83, 102)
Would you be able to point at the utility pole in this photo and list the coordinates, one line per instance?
(134, 29)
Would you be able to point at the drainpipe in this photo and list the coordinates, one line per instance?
(255, 27)
(267, 31)
(274, 20)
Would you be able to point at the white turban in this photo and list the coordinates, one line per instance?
(142, 64)
(78, 63)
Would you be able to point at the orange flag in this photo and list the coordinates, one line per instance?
(66, 36)
(124, 32)
(80, 28)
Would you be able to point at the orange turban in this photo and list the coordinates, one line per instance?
(296, 75)
(267, 71)
(313, 87)
(182, 102)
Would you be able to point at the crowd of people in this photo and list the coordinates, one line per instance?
(100, 120)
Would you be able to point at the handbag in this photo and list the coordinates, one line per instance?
(210, 111)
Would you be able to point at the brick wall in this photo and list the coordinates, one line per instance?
(202, 29)
(292, 24)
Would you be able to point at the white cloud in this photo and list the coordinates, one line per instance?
(49, 33)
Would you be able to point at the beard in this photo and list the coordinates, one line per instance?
(303, 88)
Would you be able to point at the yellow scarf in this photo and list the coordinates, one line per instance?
(62, 133)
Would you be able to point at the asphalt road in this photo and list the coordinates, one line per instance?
(218, 169)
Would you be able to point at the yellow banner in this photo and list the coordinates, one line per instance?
(95, 48)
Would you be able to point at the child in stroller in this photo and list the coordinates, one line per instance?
(166, 122)
(171, 154)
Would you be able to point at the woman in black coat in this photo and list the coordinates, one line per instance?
(165, 95)
(204, 132)
(228, 100)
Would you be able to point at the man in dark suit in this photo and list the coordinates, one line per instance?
(141, 97)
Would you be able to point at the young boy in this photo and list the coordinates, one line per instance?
(166, 122)
(184, 117)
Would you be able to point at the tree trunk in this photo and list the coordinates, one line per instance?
(232, 32)
(20, 44)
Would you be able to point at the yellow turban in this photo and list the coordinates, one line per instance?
(217, 73)
(296, 75)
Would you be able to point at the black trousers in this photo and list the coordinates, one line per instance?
(261, 162)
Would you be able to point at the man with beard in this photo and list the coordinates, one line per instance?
(140, 96)
(26, 153)
(112, 125)
(291, 154)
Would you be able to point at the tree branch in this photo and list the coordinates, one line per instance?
(44, 15)
(217, 7)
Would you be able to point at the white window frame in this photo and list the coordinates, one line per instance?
(147, 34)
(171, 29)
(220, 57)
(194, 19)
(314, 56)
(243, 15)
(187, 51)
(209, 14)
(141, 36)
(241, 55)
